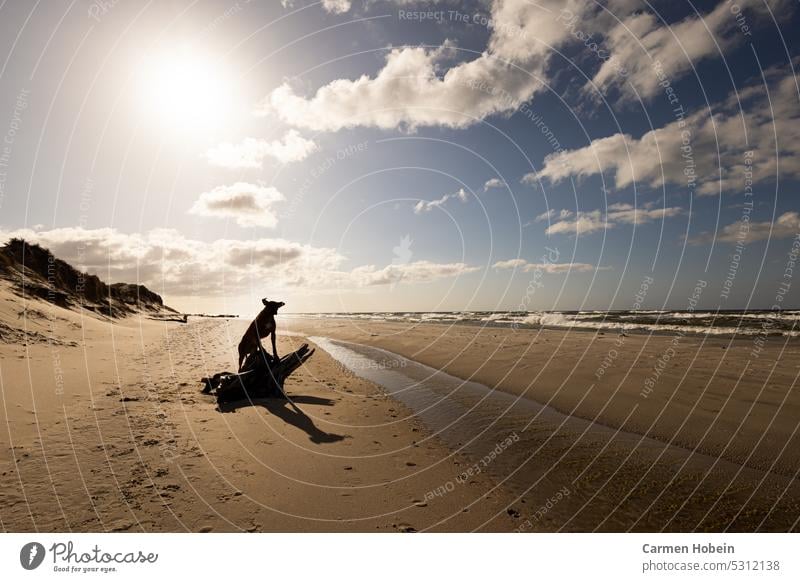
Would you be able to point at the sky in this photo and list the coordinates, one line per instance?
(399, 155)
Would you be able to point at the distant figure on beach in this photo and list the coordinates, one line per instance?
(262, 326)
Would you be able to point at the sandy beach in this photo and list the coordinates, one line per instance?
(105, 429)
(662, 432)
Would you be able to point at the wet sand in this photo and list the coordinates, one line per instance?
(104, 428)
(651, 433)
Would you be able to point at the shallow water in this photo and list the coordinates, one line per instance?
(472, 418)
(575, 474)
(498, 431)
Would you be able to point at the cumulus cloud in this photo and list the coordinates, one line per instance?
(700, 153)
(582, 223)
(787, 225)
(587, 222)
(167, 262)
(411, 90)
(628, 214)
(415, 87)
(416, 272)
(249, 204)
(336, 6)
(549, 268)
(553, 214)
(251, 152)
(408, 92)
(427, 206)
(493, 183)
(510, 264)
(642, 43)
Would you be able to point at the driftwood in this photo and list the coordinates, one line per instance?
(262, 376)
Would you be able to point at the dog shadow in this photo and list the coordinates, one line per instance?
(288, 412)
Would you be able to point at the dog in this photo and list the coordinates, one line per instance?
(262, 326)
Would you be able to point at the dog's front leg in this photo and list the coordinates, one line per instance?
(274, 348)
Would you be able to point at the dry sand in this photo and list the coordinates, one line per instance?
(104, 429)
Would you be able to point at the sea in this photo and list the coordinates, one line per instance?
(728, 323)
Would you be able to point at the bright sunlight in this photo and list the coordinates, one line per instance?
(186, 90)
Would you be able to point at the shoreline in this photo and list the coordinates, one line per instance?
(405, 339)
(749, 471)
(734, 337)
(118, 437)
(546, 409)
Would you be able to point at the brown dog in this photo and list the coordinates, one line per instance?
(262, 326)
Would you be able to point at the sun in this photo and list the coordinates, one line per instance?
(186, 90)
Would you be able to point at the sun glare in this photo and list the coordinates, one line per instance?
(186, 90)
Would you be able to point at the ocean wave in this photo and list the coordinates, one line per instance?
(751, 323)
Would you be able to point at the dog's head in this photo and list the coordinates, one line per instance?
(272, 306)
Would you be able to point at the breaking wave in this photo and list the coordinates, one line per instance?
(783, 323)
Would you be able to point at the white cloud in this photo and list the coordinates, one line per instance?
(553, 213)
(709, 152)
(562, 267)
(628, 214)
(336, 6)
(594, 220)
(251, 152)
(510, 264)
(169, 263)
(411, 90)
(249, 204)
(787, 225)
(415, 88)
(493, 183)
(583, 223)
(416, 272)
(549, 268)
(427, 206)
(408, 92)
(642, 39)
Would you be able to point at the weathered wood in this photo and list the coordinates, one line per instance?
(261, 377)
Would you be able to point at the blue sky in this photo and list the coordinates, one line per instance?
(399, 155)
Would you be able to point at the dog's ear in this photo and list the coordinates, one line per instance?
(264, 301)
